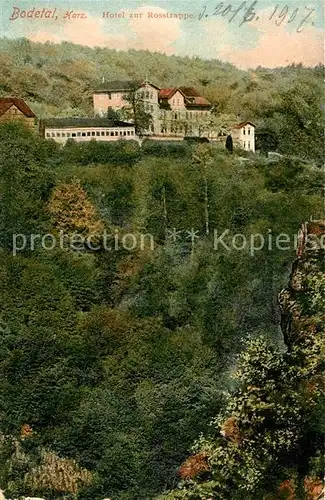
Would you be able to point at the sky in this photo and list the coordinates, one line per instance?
(247, 34)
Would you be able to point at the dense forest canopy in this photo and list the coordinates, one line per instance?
(58, 80)
(114, 361)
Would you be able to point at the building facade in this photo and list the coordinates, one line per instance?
(113, 95)
(183, 112)
(244, 135)
(175, 112)
(87, 129)
(13, 109)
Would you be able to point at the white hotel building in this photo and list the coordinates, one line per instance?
(87, 129)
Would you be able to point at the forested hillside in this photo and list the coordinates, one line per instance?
(269, 436)
(113, 361)
(58, 80)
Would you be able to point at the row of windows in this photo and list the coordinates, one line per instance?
(189, 115)
(244, 131)
(109, 95)
(112, 95)
(248, 145)
(146, 95)
(90, 134)
(176, 128)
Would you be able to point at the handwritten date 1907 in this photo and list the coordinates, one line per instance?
(247, 13)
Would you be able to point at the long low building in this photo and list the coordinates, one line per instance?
(87, 129)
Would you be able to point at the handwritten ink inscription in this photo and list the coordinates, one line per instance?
(245, 13)
(242, 13)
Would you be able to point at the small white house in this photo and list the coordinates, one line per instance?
(244, 135)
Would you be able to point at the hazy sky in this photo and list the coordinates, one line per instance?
(293, 34)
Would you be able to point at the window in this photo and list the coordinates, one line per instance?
(107, 132)
(249, 131)
(249, 145)
(58, 134)
(132, 132)
(129, 132)
(88, 134)
(116, 132)
(78, 134)
(83, 134)
(109, 95)
(244, 145)
(244, 131)
(48, 134)
(63, 134)
(68, 134)
(102, 133)
(112, 133)
(177, 102)
(73, 134)
(93, 134)
(97, 134)
(121, 133)
(124, 133)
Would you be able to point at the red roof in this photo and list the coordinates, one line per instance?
(198, 101)
(191, 96)
(189, 91)
(243, 124)
(167, 93)
(7, 102)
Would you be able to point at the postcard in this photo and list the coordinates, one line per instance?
(162, 237)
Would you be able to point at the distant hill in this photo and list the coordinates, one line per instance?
(58, 80)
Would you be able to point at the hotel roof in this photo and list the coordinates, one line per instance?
(243, 124)
(84, 123)
(123, 85)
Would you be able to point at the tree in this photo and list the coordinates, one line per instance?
(262, 433)
(214, 125)
(112, 114)
(137, 113)
(27, 168)
(229, 144)
(72, 211)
